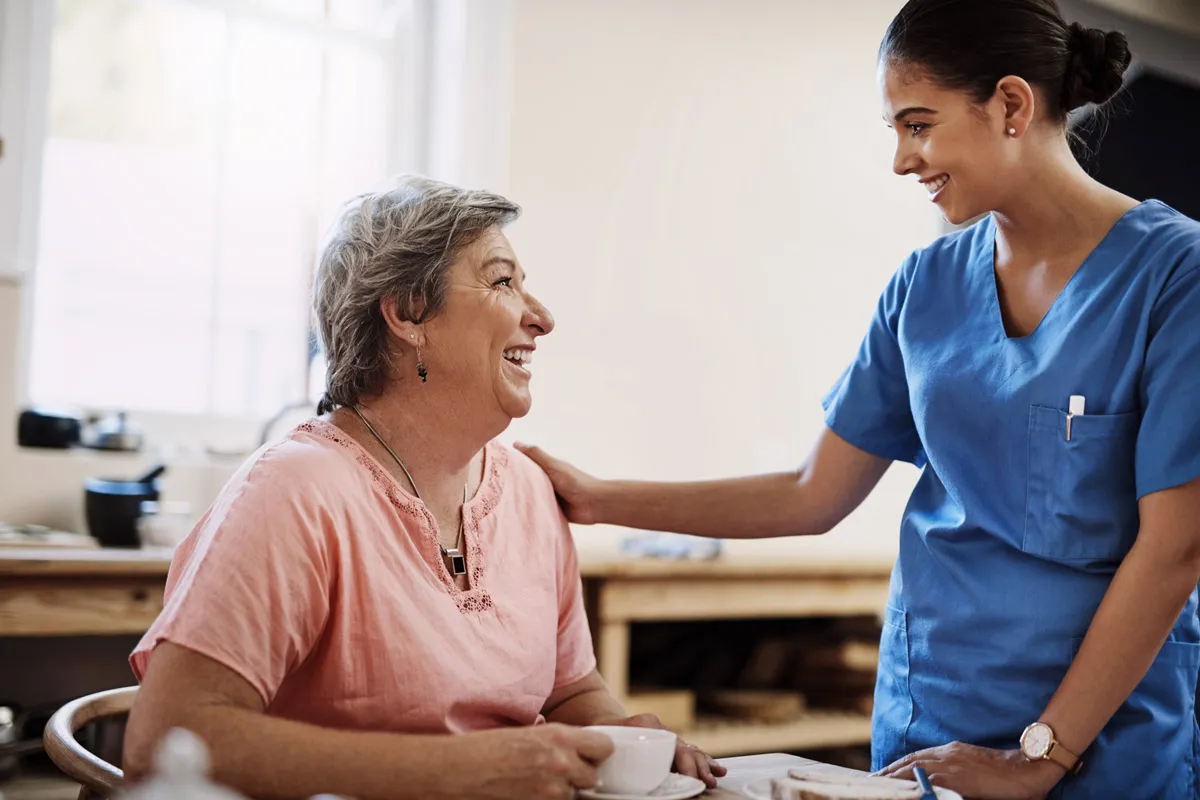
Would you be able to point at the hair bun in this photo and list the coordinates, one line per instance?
(1096, 64)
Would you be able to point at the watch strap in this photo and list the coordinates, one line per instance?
(1063, 757)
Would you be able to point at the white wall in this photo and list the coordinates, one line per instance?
(710, 213)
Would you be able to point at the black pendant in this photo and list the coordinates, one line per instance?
(456, 562)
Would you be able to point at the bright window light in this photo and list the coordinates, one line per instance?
(196, 152)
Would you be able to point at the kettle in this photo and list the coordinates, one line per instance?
(114, 432)
(112, 507)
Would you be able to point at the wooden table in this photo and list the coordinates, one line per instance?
(746, 770)
(743, 771)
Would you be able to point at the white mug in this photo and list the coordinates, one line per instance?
(641, 759)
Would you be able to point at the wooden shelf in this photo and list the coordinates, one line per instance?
(599, 562)
(816, 729)
(621, 592)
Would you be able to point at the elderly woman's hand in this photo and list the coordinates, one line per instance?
(689, 759)
(547, 761)
(577, 491)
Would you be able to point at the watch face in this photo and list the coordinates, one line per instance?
(1035, 742)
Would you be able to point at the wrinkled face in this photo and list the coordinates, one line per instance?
(481, 344)
(957, 149)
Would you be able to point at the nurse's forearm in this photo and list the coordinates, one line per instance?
(756, 507)
(833, 481)
(1138, 612)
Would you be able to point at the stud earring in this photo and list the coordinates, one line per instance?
(1012, 131)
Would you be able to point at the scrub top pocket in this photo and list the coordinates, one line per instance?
(1081, 499)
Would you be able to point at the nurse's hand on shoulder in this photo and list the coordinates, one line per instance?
(576, 490)
(980, 773)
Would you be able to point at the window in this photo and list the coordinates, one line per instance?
(195, 153)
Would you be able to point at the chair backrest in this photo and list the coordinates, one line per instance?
(98, 778)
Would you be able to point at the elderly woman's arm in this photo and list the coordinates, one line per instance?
(833, 481)
(268, 757)
(584, 702)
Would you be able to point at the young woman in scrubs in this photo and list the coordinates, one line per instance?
(1041, 634)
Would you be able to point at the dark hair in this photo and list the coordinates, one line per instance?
(972, 44)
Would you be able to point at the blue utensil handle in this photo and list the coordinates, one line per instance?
(927, 792)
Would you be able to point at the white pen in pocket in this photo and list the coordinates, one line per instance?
(1075, 408)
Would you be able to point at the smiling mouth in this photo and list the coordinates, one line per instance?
(935, 185)
(519, 358)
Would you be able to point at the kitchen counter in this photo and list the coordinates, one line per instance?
(50, 591)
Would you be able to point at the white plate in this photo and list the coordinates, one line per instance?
(761, 790)
(675, 787)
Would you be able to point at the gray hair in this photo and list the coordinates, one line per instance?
(395, 243)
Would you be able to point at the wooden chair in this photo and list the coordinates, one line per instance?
(97, 778)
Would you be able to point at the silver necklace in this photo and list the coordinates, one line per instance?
(455, 561)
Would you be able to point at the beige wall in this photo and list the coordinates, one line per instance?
(711, 215)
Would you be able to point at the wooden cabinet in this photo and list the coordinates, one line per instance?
(622, 592)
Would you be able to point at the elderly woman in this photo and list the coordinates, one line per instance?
(389, 573)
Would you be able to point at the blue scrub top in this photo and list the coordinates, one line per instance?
(1012, 534)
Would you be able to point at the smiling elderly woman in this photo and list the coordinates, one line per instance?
(389, 572)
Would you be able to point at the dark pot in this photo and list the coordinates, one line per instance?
(112, 507)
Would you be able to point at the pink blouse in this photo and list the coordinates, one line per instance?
(319, 580)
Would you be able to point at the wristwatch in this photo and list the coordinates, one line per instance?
(1038, 743)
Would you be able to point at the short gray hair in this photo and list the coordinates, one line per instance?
(395, 243)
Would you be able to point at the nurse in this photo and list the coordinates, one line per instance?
(1042, 367)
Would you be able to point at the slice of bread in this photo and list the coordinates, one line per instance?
(866, 789)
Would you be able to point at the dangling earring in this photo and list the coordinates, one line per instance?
(422, 373)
